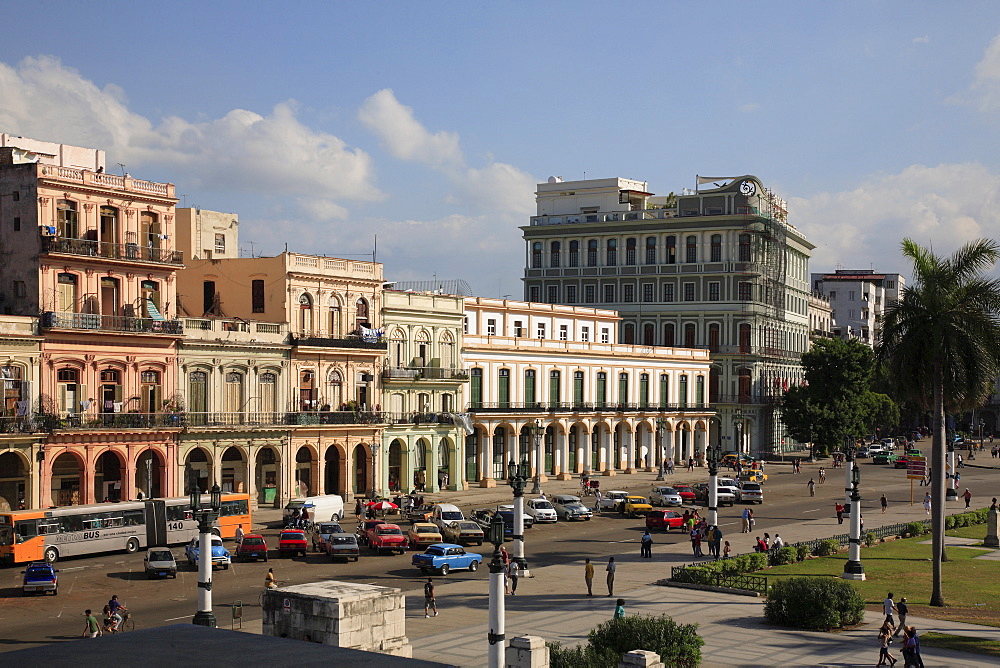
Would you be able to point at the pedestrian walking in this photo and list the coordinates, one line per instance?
(690, 464)
(927, 503)
(515, 570)
(903, 610)
(726, 550)
(92, 628)
(670, 466)
(911, 648)
(967, 496)
(889, 607)
(611, 575)
(620, 609)
(839, 507)
(884, 639)
(239, 534)
(958, 479)
(597, 503)
(430, 601)
(822, 475)
(358, 510)
(812, 487)
(885, 504)
(752, 520)
(646, 546)
(588, 576)
(696, 543)
(746, 520)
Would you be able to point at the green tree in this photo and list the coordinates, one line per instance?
(940, 345)
(837, 402)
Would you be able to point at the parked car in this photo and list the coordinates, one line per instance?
(569, 507)
(364, 528)
(220, 555)
(541, 510)
(320, 533)
(724, 497)
(685, 492)
(446, 557)
(611, 499)
(732, 486)
(731, 456)
(40, 577)
(664, 519)
(421, 513)
(862, 451)
(444, 513)
(665, 496)
(508, 508)
(343, 546)
(292, 542)
(634, 506)
(253, 546)
(752, 492)
(159, 562)
(422, 534)
(387, 538)
(464, 532)
(885, 457)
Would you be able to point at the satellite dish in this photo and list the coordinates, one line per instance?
(553, 179)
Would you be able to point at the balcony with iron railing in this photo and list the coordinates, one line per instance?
(327, 342)
(127, 252)
(586, 407)
(111, 323)
(414, 373)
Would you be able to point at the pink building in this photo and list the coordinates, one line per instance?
(94, 254)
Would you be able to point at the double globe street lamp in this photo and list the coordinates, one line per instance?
(661, 426)
(517, 476)
(495, 636)
(207, 516)
(853, 570)
(712, 452)
(537, 432)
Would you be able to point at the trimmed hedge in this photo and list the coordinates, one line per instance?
(677, 644)
(827, 547)
(786, 555)
(916, 528)
(967, 519)
(814, 603)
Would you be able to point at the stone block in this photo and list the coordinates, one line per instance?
(641, 657)
(526, 652)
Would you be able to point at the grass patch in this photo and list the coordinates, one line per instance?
(978, 532)
(960, 643)
(971, 586)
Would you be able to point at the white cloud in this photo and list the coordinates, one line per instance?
(943, 206)
(984, 92)
(749, 107)
(406, 138)
(922, 40)
(242, 151)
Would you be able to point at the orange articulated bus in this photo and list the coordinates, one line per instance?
(34, 535)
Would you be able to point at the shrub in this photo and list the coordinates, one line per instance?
(827, 547)
(677, 644)
(757, 561)
(870, 538)
(802, 551)
(814, 603)
(918, 528)
(949, 523)
(786, 555)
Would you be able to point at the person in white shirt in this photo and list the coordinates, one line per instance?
(239, 534)
(889, 607)
(778, 543)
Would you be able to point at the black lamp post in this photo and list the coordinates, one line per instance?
(661, 425)
(738, 424)
(206, 518)
(853, 570)
(149, 476)
(537, 432)
(375, 481)
(497, 604)
(712, 453)
(517, 475)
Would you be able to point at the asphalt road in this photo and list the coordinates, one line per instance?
(90, 582)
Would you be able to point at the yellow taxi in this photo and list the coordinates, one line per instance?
(633, 505)
(422, 534)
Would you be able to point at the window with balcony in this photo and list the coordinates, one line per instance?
(574, 253)
(644, 389)
(716, 248)
(476, 388)
(622, 388)
(536, 255)
(671, 257)
(699, 391)
(67, 219)
(745, 291)
(664, 390)
(585, 333)
(577, 388)
(503, 388)
(197, 399)
(650, 250)
(563, 332)
(109, 230)
(605, 335)
(150, 392)
(555, 388)
(66, 293)
(691, 250)
(529, 387)
(744, 336)
(554, 249)
(267, 391)
(682, 391)
(630, 251)
(305, 314)
(714, 336)
(234, 393)
(71, 393)
(612, 253)
(150, 234)
(491, 327)
(601, 397)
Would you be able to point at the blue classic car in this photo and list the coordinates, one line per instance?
(446, 557)
(220, 555)
(40, 577)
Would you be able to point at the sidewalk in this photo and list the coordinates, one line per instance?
(553, 604)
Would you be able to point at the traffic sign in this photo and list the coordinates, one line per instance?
(916, 468)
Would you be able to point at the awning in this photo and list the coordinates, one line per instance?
(153, 312)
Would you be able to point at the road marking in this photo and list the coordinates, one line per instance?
(174, 619)
(74, 568)
(817, 510)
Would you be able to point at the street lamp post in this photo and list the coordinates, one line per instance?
(537, 432)
(853, 570)
(738, 423)
(712, 452)
(149, 477)
(206, 518)
(517, 475)
(497, 604)
(375, 476)
(661, 425)
(849, 451)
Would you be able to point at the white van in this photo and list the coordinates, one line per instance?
(444, 514)
(326, 508)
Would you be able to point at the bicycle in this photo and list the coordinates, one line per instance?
(127, 623)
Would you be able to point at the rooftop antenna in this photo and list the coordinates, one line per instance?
(122, 167)
(374, 248)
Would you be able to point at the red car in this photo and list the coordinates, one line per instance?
(686, 493)
(292, 542)
(664, 519)
(387, 538)
(253, 546)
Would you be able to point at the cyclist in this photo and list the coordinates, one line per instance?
(111, 620)
(118, 611)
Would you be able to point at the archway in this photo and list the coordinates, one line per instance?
(499, 450)
(197, 470)
(395, 465)
(444, 465)
(421, 454)
(234, 470)
(13, 481)
(472, 454)
(332, 462)
(149, 471)
(108, 477)
(266, 475)
(361, 470)
(303, 472)
(67, 470)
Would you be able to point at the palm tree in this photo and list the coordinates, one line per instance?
(940, 344)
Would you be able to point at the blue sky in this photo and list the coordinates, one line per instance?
(428, 124)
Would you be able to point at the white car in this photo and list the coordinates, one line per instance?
(541, 510)
(751, 492)
(665, 496)
(570, 507)
(731, 486)
(529, 521)
(611, 499)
